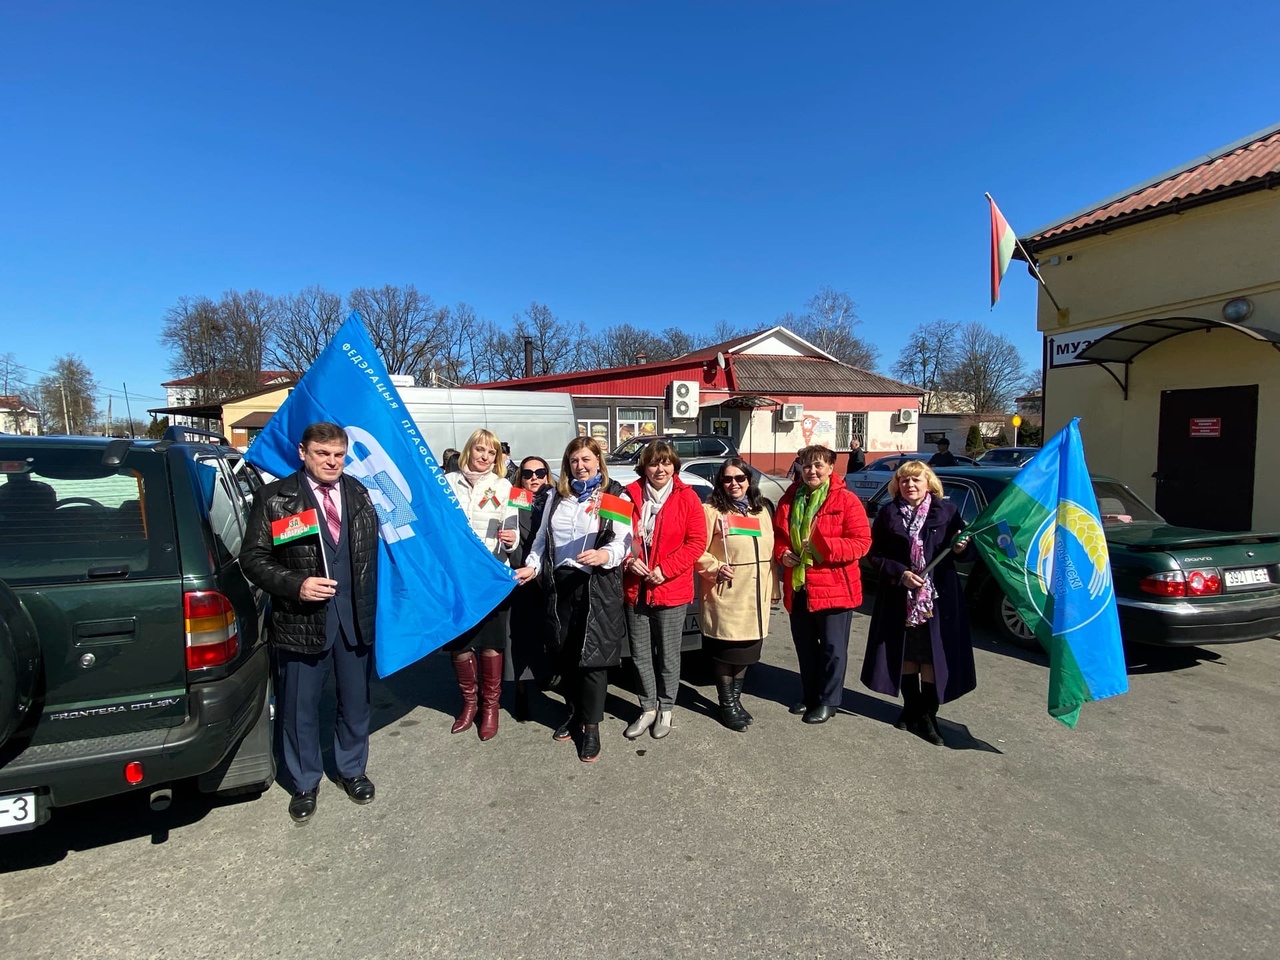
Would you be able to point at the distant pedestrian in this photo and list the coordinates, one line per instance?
(820, 532)
(857, 458)
(449, 460)
(513, 471)
(919, 636)
(944, 457)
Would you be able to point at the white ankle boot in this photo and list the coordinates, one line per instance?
(641, 724)
(662, 726)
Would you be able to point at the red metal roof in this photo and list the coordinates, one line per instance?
(1252, 164)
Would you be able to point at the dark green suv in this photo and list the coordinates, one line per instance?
(132, 648)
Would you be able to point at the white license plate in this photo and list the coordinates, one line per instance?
(1243, 578)
(17, 812)
(691, 624)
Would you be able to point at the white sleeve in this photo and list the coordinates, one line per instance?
(534, 557)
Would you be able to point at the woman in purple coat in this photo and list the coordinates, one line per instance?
(919, 637)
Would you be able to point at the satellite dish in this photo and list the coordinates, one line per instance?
(720, 360)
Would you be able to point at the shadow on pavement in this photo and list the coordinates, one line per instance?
(100, 823)
(1142, 659)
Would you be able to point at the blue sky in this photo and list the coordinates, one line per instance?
(650, 163)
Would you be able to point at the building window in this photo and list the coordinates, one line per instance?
(598, 429)
(850, 427)
(636, 422)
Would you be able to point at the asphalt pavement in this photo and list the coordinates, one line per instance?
(1149, 831)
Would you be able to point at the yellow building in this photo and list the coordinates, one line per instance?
(1168, 343)
(244, 417)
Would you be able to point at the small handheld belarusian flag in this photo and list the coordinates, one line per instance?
(617, 509)
(818, 545)
(290, 528)
(520, 498)
(743, 526)
(1003, 240)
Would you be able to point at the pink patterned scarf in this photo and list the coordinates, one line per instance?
(919, 602)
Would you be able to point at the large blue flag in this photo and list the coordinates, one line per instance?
(436, 579)
(1043, 540)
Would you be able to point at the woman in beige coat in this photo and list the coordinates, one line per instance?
(736, 583)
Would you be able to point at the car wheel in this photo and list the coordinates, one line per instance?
(1009, 623)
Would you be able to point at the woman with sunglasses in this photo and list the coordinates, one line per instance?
(527, 643)
(667, 538)
(736, 583)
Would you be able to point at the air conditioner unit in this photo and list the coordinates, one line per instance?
(907, 415)
(684, 399)
(791, 412)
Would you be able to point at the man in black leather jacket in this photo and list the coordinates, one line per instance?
(324, 591)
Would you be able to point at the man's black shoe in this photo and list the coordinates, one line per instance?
(819, 714)
(799, 707)
(359, 789)
(302, 806)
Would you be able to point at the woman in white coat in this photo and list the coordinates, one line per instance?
(484, 494)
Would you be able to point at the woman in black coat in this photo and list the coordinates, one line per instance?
(919, 636)
(577, 554)
(527, 643)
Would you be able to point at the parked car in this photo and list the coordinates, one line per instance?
(688, 445)
(771, 488)
(132, 649)
(1007, 456)
(875, 474)
(1175, 586)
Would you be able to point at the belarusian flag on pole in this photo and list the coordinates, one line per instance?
(520, 498)
(744, 526)
(1003, 241)
(290, 528)
(614, 508)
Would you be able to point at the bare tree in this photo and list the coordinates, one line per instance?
(557, 346)
(67, 397)
(926, 358)
(220, 344)
(987, 371)
(461, 360)
(13, 378)
(621, 344)
(305, 323)
(829, 323)
(406, 326)
(725, 330)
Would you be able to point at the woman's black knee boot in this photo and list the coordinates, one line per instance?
(928, 727)
(910, 702)
(730, 710)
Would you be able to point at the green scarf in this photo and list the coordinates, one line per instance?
(808, 501)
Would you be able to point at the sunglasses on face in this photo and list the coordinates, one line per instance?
(540, 472)
(736, 478)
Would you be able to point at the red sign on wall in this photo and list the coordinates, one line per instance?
(1206, 426)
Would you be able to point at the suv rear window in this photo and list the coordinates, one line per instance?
(67, 517)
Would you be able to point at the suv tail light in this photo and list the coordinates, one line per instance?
(1193, 583)
(213, 637)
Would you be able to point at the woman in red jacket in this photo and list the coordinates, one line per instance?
(668, 534)
(820, 532)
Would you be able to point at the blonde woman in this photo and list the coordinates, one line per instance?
(484, 493)
(919, 635)
(736, 583)
(579, 549)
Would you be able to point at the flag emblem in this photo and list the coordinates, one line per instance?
(296, 525)
(617, 509)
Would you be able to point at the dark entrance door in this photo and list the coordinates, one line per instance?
(1207, 436)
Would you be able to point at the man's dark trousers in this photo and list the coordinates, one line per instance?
(303, 677)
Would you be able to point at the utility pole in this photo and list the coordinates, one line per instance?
(107, 431)
(128, 410)
(66, 417)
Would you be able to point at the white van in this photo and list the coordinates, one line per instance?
(534, 424)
